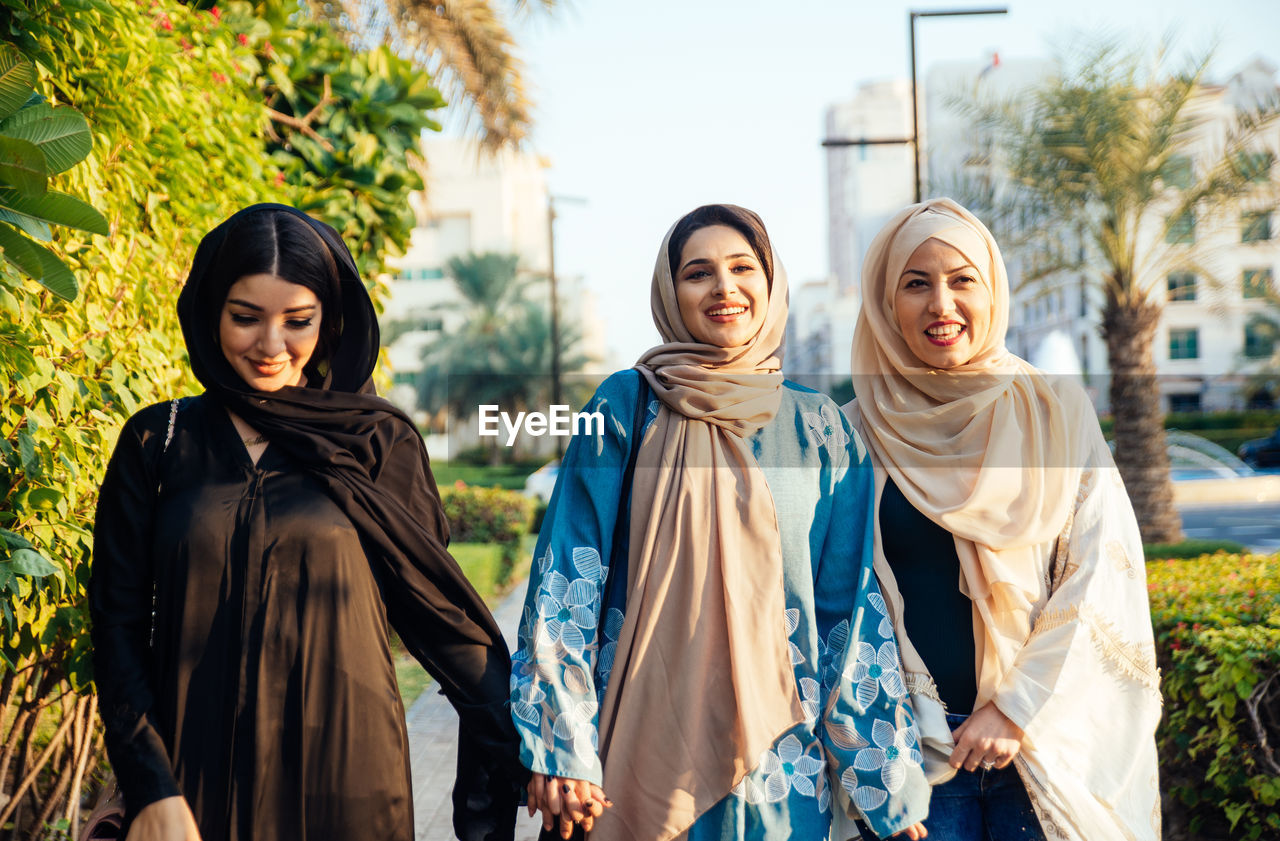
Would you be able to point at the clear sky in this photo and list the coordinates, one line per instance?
(646, 110)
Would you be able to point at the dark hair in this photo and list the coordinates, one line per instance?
(739, 218)
(281, 244)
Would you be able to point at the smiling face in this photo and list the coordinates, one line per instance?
(721, 287)
(268, 330)
(942, 305)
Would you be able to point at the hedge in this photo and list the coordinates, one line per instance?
(488, 515)
(1217, 624)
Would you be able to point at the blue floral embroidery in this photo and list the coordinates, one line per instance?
(894, 752)
(823, 428)
(790, 767)
(873, 670)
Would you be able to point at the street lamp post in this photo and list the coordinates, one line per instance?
(915, 98)
(555, 303)
(914, 139)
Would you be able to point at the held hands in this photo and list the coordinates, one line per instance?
(565, 802)
(987, 738)
(915, 832)
(169, 819)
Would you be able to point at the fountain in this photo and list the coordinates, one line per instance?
(1193, 457)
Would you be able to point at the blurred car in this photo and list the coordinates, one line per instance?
(542, 481)
(1261, 452)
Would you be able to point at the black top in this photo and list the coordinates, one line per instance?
(268, 696)
(937, 616)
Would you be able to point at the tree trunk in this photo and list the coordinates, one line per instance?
(1141, 453)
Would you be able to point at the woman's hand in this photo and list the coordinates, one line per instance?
(915, 832)
(987, 736)
(169, 819)
(565, 802)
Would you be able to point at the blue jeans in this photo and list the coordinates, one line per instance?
(979, 805)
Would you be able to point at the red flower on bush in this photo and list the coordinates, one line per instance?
(164, 23)
(220, 78)
(243, 39)
(216, 12)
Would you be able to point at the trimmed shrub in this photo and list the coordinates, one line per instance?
(488, 515)
(1217, 624)
(1192, 548)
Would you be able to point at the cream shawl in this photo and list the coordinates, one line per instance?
(700, 685)
(1001, 456)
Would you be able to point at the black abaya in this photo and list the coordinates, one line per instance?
(267, 695)
(275, 698)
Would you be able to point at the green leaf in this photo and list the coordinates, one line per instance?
(30, 562)
(43, 499)
(14, 540)
(55, 275)
(57, 208)
(27, 452)
(17, 80)
(32, 227)
(22, 166)
(21, 252)
(61, 133)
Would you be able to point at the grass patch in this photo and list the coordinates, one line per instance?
(1190, 549)
(480, 563)
(508, 476)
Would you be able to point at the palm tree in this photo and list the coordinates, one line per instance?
(465, 44)
(502, 352)
(1123, 155)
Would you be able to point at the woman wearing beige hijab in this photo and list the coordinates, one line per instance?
(1006, 549)
(703, 640)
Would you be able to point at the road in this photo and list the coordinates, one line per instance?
(1256, 525)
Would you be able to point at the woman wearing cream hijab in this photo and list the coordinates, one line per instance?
(1007, 552)
(732, 676)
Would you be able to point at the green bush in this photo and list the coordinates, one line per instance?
(1217, 624)
(488, 515)
(173, 98)
(1226, 429)
(1192, 548)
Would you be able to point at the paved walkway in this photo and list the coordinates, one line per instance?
(433, 748)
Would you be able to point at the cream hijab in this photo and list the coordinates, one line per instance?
(989, 450)
(702, 681)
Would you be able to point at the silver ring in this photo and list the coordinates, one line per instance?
(987, 765)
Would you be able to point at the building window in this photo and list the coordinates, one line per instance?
(1182, 286)
(1184, 402)
(1255, 227)
(421, 274)
(1181, 229)
(1259, 339)
(1184, 343)
(1256, 166)
(1256, 283)
(1176, 172)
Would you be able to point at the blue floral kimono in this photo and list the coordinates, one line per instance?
(859, 732)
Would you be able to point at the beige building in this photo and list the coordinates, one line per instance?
(473, 202)
(1206, 349)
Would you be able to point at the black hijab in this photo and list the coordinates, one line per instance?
(342, 433)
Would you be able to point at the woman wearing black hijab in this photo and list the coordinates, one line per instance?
(251, 546)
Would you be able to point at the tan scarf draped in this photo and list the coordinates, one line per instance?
(702, 680)
(989, 450)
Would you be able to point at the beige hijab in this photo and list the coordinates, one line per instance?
(988, 450)
(702, 681)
